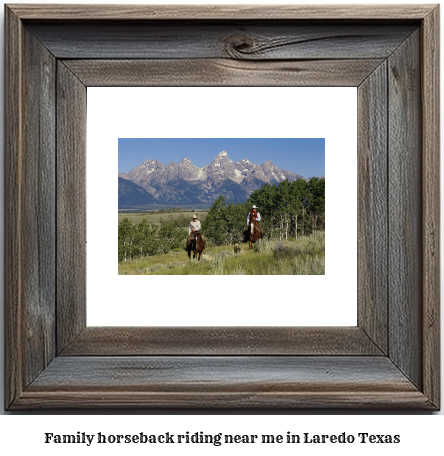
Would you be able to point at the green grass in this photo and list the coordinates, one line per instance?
(157, 218)
(304, 256)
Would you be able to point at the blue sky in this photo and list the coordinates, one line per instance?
(304, 156)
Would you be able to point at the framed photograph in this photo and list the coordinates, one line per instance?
(389, 359)
(171, 277)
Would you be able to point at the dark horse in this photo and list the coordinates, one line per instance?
(252, 233)
(196, 245)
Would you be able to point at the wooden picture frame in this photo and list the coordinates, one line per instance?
(390, 360)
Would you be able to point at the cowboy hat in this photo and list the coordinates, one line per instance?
(254, 206)
(194, 216)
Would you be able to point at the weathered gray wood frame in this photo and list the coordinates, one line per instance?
(390, 360)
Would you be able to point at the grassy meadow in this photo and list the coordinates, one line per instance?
(165, 216)
(304, 256)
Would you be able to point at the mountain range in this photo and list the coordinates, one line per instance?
(184, 183)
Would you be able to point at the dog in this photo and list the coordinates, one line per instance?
(237, 248)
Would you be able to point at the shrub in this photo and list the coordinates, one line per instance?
(145, 238)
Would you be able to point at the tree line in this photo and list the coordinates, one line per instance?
(288, 209)
(144, 238)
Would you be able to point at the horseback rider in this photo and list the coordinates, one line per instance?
(254, 216)
(193, 227)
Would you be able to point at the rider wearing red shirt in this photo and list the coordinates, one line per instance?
(254, 215)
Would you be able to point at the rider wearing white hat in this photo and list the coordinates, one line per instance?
(255, 216)
(193, 226)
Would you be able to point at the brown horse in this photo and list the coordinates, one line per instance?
(253, 233)
(196, 245)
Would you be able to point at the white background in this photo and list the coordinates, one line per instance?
(421, 434)
(193, 112)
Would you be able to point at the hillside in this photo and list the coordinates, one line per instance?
(186, 184)
(132, 195)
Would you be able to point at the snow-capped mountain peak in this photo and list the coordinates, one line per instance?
(170, 183)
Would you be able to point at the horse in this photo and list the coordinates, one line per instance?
(252, 233)
(196, 245)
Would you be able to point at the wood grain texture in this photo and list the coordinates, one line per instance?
(372, 207)
(260, 44)
(430, 94)
(247, 401)
(209, 373)
(39, 230)
(220, 12)
(221, 72)
(234, 382)
(127, 341)
(405, 209)
(71, 206)
(244, 40)
(13, 207)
